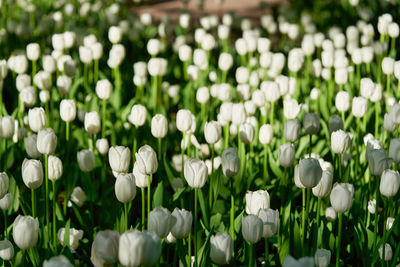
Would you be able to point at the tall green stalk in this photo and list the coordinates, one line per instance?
(126, 216)
(339, 239)
(54, 215)
(148, 198)
(33, 203)
(195, 227)
(46, 159)
(143, 207)
(103, 122)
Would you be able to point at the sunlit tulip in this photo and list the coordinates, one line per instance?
(25, 231)
(105, 248)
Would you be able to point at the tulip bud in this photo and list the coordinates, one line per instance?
(131, 250)
(324, 186)
(378, 161)
(394, 113)
(74, 237)
(212, 132)
(55, 168)
(341, 197)
(225, 61)
(256, 201)
(394, 149)
(114, 34)
(342, 101)
(183, 223)
(104, 89)
(390, 183)
(105, 248)
(46, 141)
(372, 206)
(221, 248)
(340, 141)
(32, 173)
(265, 134)
(310, 172)
(359, 107)
(102, 146)
(64, 84)
(37, 119)
(119, 158)
(92, 122)
(311, 123)
(238, 114)
(388, 124)
(6, 250)
(270, 220)
(25, 231)
(125, 187)
(286, 154)
(42, 80)
(335, 123)
(388, 252)
(252, 228)
(290, 108)
(330, 214)
(146, 159)
(230, 162)
(78, 196)
(387, 65)
(322, 257)
(160, 221)
(33, 51)
(159, 126)
(6, 202)
(195, 172)
(389, 223)
(86, 160)
(292, 130)
(7, 127)
(57, 261)
(289, 261)
(4, 181)
(183, 120)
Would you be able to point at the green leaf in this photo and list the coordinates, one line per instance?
(284, 250)
(158, 195)
(66, 233)
(238, 222)
(204, 208)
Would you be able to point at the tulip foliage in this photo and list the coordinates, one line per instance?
(135, 142)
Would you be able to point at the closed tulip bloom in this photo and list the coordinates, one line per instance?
(140, 178)
(342, 101)
(390, 183)
(6, 202)
(25, 231)
(394, 149)
(183, 223)
(78, 196)
(310, 172)
(195, 172)
(104, 250)
(104, 89)
(246, 132)
(32, 173)
(388, 124)
(74, 237)
(146, 159)
(311, 123)
(92, 122)
(85, 54)
(125, 187)
(114, 34)
(290, 108)
(64, 84)
(322, 257)
(372, 206)
(159, 126)
(330, 214)
(160, 221)
(46, 141)
(270, 220)
(238, 114)
(230, 162)
(256, 201)
(57, 261)
(225, 61)
(341, 197)
(4, 181)
(387, 65)
(102, 146)
(297, 181)
(324, 186)
(292, 130)
(265, 134)
(394, 113)
(152, 248)
(289, 261)
(388, 252)
(33, 51)
(212, 132)
(37, 119)
(55, 168)
(252, 228)
(183, 120)
(335, 123)
(359, 106)
(340, 141)
(119, 158)
(378, 161)
(389, 223)
(286, 154)
(86, 160)
(221, 248)
(7, 127)
(6, 250)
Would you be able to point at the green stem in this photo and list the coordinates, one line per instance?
(265, 161)
(159, 140)
(226, 134)
(143, 207)
(96, 70)
(33, 70)
(303, 217)
(67, 131)
(210, 191)
(376, 221)
(271, 115)
(340, 166)
(46, 160)
(126, 216)
(195, 228)
(5, 224)
(232, 213)
(85, 75)
(33, 203)
(54, 215)
(357, 147)
(134, 144)
(388, 84)
(318, 218)
(183, 154)
(148, 198)
(103, 122)
(251, 255)
(310, 147)
(339, 239)
(266, 252)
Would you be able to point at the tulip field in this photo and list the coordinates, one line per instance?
(126, 140)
